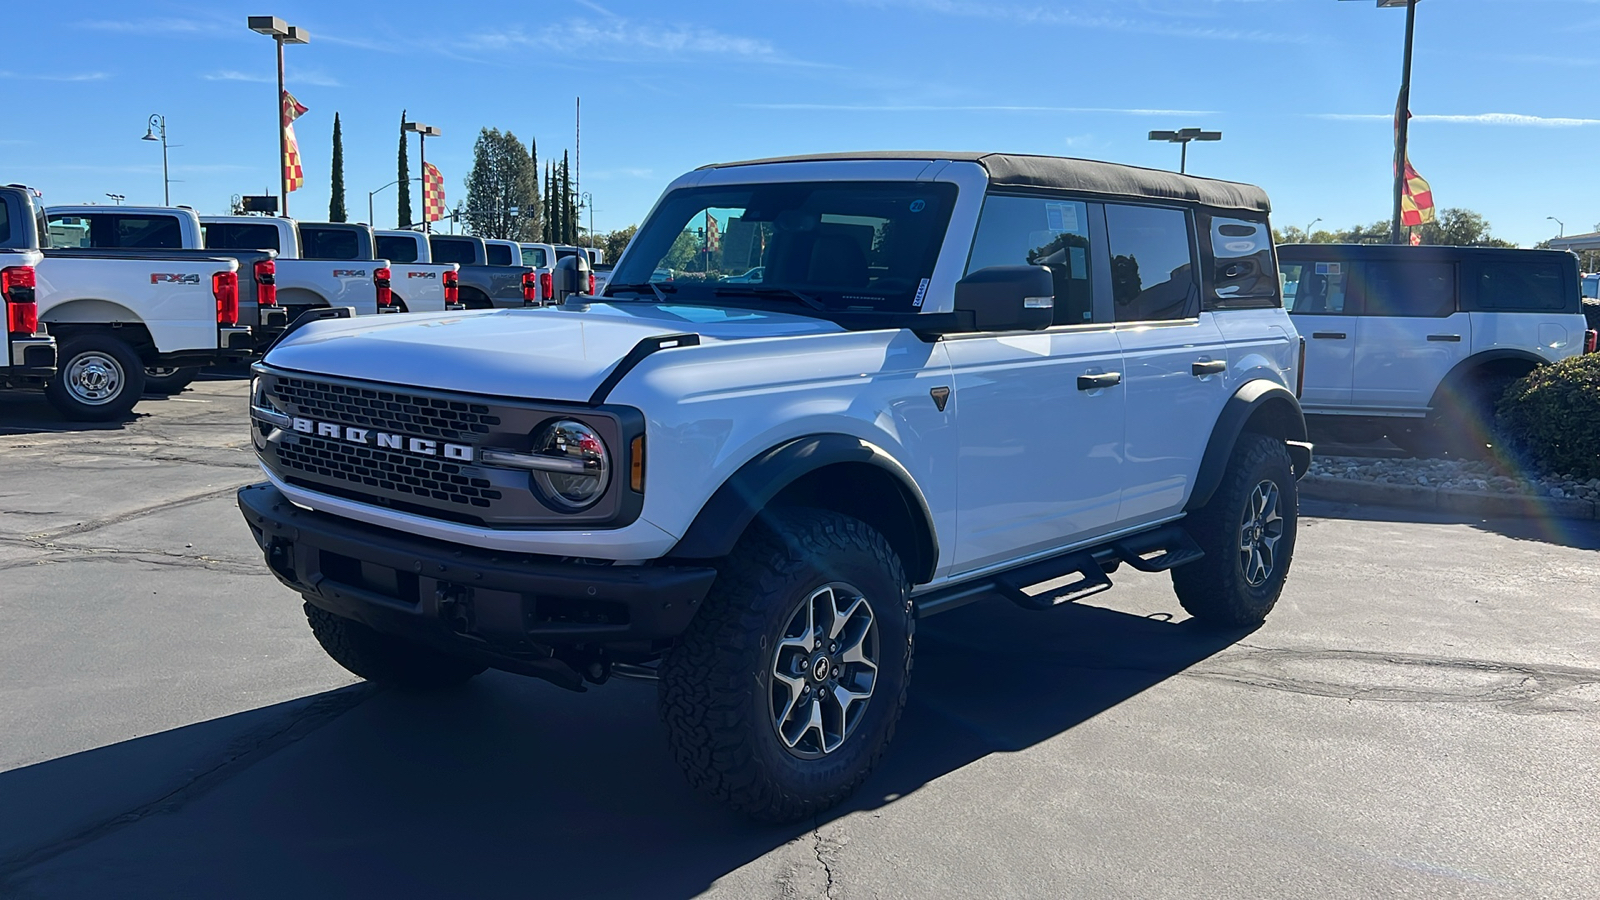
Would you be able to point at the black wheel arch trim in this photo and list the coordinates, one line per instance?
(740, 499)
(1465, 368)
(1249, 399)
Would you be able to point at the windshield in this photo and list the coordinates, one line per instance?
(832, 245)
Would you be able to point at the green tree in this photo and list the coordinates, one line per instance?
(612, 243)
(684, 251)
(503, 187)
(403, 215)
(1457, 227)
(336, 210)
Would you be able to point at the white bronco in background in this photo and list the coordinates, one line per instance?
(958, 376)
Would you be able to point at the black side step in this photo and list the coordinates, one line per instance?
(1176, 546)
(1091, 580)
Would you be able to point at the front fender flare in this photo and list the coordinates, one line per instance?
(740, 499)
(1261, 397)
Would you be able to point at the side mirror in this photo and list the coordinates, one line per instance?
(1008, 298)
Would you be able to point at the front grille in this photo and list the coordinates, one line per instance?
(435, 417)
(386, 470)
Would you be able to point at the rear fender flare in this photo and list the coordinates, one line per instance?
(1464, 370)
(1263, 406)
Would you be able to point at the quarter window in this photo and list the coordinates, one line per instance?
(453, 251)
(500, 255)
(1152, 263)
(240, 236)
(533, 256)
(1243, 253)
(1410, 289)
(329, 243)
(1522, 286)
(1315, 288)
(1034, 231)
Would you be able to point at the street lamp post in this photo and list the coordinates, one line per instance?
(1184, 136)
(1311, 226)
(118, 198)
(423, 133)
(1402, 116)
(281, 33)
(158, 125)
(371, 194)
(1559, 224)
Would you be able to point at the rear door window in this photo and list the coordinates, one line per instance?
(1316, 287)
(240, 236)
(534, 256)
(1152, 263)
(1522, 287)
(1038, 231)
(499, 255)
(397, 249)
(446, 250)
(1409, 289)
(146, 233)
(329, 243)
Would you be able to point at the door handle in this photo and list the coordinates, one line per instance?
(1204, 367)
(1451, 338)
(1100, 380)
(1329, 335)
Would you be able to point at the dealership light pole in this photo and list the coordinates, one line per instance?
(1559, 224)
(423, 133)
(1402, 116)
(1311, 226)
(281, 33)
(158, 125)
(1184, 136)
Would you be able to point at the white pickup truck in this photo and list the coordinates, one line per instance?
(417, 284)
(117, 312)
(303, 283)
(486, 284)
(27, 358)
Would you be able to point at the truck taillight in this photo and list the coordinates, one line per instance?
(591, 284)
(547, 286)
(1591, 341)
(266, 282)
(22, 313)
(452, 287)
(1300, 371)
(530, 287)
(380, 279)
(225, 287)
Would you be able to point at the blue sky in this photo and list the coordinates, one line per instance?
(1507, 118)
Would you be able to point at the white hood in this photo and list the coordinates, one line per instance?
(554, 353)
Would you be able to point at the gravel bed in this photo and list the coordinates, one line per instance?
(1454, 474)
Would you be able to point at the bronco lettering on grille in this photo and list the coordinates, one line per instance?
(388, 441)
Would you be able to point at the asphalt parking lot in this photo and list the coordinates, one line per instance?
(1417, 718)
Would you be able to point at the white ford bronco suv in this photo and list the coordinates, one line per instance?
(957, 376)
(1419, 343)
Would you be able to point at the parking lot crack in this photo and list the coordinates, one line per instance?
(96, 524)
(248, 750)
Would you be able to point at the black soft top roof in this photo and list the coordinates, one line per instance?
(1060, 173)
(1406, 252)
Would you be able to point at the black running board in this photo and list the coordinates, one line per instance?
(1156, 550)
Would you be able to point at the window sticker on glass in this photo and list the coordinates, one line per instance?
(1329, 268)
(1061, 217)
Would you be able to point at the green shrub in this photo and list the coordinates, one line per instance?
(1551, 419)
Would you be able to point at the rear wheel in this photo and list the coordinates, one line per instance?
(168, 380)
(1247, 531)
(786, 689)
(383, 659)
(99, 379)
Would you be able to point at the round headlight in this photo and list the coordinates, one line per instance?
(591, 470)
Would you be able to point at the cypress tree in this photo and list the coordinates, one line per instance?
(336, 210)
(403, 217)
(568, 236)
(533, 166)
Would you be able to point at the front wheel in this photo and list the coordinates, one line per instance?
(788, 685)
(1247, 531)
(99, 379)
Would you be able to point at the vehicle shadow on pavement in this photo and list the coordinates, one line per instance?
(511, 785)
(1575, 533)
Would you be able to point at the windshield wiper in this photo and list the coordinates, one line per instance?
(659, 290)
(759, 291)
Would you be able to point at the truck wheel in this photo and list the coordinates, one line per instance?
(786, 689)
(100, 378)
(387, 660)
(168, 380)
(1247, 532)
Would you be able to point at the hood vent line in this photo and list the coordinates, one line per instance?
(637, 355)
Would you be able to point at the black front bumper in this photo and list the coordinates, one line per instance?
(505, 609)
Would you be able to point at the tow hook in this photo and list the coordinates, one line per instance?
(455, 607)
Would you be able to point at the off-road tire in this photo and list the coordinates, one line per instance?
(1214, 589)
(168, 385)
(715, 699)
(386, 660)
(130, 378)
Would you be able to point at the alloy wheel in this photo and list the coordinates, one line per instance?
(823, 671)
(1260, 533)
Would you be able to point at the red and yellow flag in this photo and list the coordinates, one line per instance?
(293, 173)
(432, 193)
(1416, 200)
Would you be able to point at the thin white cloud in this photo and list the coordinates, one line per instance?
(608, 174)
(618, 39)
(314, 78)
(844, 107)
(42, 76)
(152, 26)
(1035, 14)
(234, 75)
(1516, 119)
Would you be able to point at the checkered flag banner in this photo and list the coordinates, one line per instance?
(432, 193)
(294, 174)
